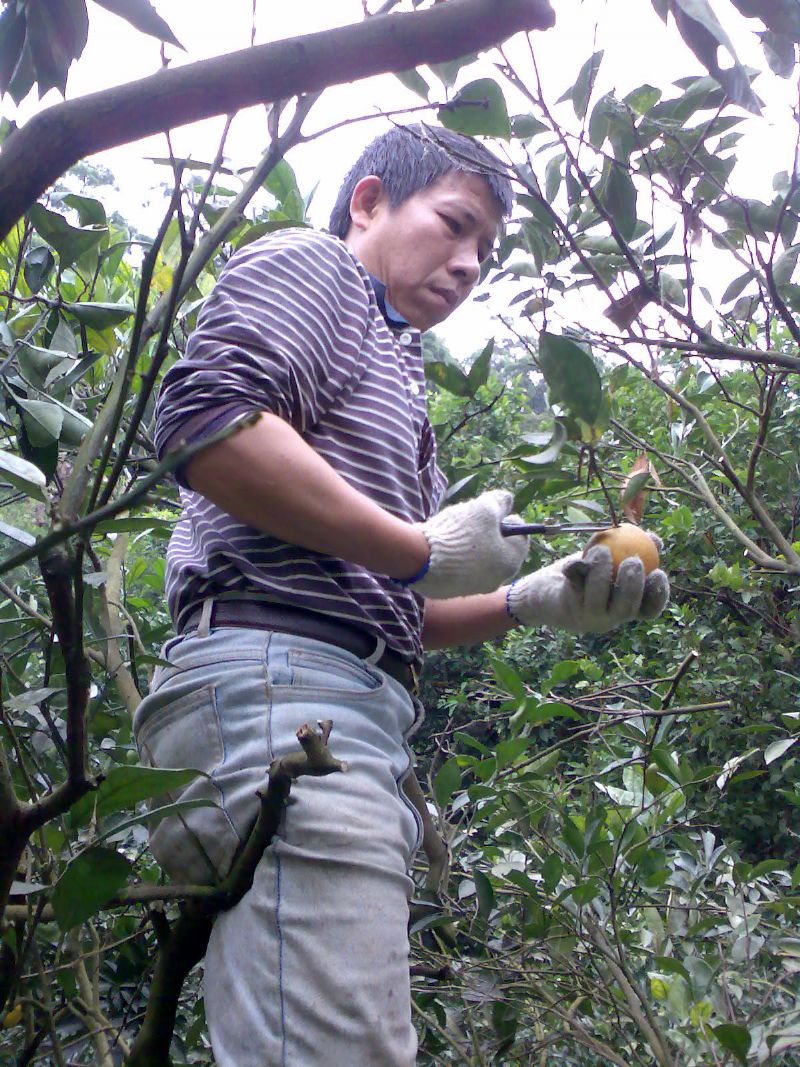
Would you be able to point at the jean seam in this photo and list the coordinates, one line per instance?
(284, 1043)
(218, 769)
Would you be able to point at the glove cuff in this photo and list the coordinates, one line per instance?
(509, 609)
(406, 582)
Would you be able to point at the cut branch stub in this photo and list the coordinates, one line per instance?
(184, 944)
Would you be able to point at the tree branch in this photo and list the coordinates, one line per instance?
(184, 945)
(56, 138)
(86, 523)
(111, 618)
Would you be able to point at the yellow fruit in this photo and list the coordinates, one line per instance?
(13, 1018)
(624, 541)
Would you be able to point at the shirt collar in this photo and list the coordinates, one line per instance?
(392, 315)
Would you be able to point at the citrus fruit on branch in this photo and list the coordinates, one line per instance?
(626, 540)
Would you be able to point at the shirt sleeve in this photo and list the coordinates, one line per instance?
(282, 332)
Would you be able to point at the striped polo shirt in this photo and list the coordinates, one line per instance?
(294, 327)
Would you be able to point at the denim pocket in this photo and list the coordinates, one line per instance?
(419, 830)
(325, 673)
(178, 727)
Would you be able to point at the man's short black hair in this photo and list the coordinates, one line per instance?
(410, 158)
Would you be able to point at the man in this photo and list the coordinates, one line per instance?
(311, 565)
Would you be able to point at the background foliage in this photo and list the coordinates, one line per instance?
(620, 810)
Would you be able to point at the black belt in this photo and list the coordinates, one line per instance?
(260, 615)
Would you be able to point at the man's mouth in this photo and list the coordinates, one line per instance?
(449, 296)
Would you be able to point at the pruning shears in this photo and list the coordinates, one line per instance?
(550, 529)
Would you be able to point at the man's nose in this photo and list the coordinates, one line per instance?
(465, 264)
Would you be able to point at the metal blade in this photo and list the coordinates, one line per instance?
(550, 529)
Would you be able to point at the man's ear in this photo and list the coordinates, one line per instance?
(367, 197)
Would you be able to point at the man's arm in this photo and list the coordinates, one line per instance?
(466, 620)
(268, 477)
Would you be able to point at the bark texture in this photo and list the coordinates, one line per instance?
(34, 156)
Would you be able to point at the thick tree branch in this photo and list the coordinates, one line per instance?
(52, 141)
(113, 624)
(183, 945)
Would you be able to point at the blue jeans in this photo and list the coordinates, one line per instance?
(311, 967)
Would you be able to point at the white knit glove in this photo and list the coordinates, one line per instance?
(468, 552)
(579, 593)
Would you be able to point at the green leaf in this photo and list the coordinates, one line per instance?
(509, 750)
(124, 787)
(12, 43)
(447, 72)
(70, 242)
(737, 286)
(643, 98)
(413, 80)
(90, 211)
(571, 376)
(784, 266)
(636, 484)
(37, 363)
(703, 33)
(447, 781)
(74, 428)
(547, 455)
(526, 126)
(584, 83)
(485, 892)
(735, 1039)
(42, 420)
(479, 371)
(780, 53)
(448, 376)
(777, 749)
(259, 229)
(142, 16)
(282, 183)
(780, 16)
(38, 266)
(98, 316)
(768, 867)
(88, 882)
(564, 670)
(552, 177)
(618, 195)
(478, 110)
(16, 534)
(508, 679)
(524, 268)
(22, 475)
(456, 489)
(538, 714)
(552, 870)
(599, 121)
(671, 289)
(134, 524)
(56, 35)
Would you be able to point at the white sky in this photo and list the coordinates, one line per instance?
(638, 49)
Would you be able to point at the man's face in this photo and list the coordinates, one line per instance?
(428, 251)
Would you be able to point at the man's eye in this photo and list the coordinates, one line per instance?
(453, 224)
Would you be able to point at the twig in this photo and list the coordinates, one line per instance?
(689, 661)
(63, 532)
(32, 613)
(451, 1041)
